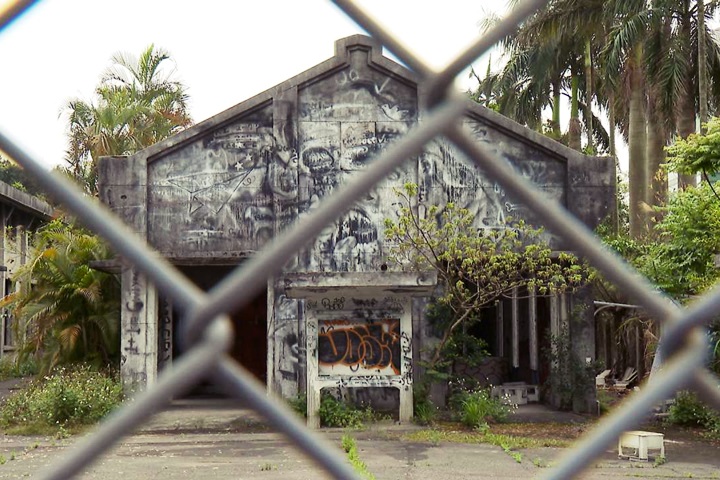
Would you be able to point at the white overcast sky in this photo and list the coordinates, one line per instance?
(225, 51)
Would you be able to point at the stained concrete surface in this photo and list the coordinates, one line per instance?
(203, 440)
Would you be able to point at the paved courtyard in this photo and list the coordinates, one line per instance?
(220, 441)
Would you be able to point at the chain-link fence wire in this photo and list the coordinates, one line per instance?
(683, 343)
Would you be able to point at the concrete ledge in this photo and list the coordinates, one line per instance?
(303, 284)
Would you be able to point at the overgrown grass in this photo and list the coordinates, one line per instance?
(335, 413)
(478, 408)
(350, 447)
(64, 401)
(509, 442)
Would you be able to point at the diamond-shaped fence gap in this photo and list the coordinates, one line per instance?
(676, 375)
(562, 223)
(105, 223)
(240, 286)
(184, 374)
(370, 25)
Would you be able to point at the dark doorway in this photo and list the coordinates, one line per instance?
(249, 323)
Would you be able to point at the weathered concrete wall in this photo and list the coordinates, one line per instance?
(344, 121)
(215, 195)
(20, 215)
(222, 189)
(359, 332)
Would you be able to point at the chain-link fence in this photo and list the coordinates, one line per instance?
(683, 343)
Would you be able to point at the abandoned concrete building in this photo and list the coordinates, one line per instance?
(216, 193)
(20, 215)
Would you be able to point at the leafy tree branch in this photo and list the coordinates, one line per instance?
(475, 266)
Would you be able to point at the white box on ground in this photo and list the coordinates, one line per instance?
(642, 443)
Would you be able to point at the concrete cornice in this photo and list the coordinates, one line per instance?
(25, 202)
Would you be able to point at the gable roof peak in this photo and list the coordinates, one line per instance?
(358, 41)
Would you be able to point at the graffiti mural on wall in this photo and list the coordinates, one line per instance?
(359, 348)
(344, 122)
(446, 176)
(221, 191)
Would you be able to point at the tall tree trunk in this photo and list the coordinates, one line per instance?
(556, 109)
(686, 119)
(657, 177)
(611, 121)
(588, 97)
(574, 128)
(702, 66)
(637, 146)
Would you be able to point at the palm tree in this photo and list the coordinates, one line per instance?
(552, 55)
(66, 311)
(665, 32)
(634, 59)
(136, 105)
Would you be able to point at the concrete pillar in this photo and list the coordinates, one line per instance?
(515, 330)
(554, 319)
(165, 334)
(500, 320)
(21, 237)
(405, 414)
(122, 186)
(312, 388)
(4, 313)
(533, 334)
(138, 332)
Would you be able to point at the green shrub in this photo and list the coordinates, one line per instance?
(571, 379)
(425, 412)
(334, 413)
(69, 397)
(298, 404)
(15, 368)
(477, 408)
(689, 411)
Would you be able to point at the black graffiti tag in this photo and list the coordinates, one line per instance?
(373, 346)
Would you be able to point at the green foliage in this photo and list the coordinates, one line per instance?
(510, 442)
(681, 261)
(605, 400)
(66, 311)
(15, 368)
(474, 265)
(350, 447)
(570, 377)
(425, 412)
(299, 404)
(689, 411)
(679, 258)
(477, 408)
(15, 176)
(335, 413)
(135, 106)
(698, 153)
(68, 397)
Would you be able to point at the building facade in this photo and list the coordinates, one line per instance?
(20, 215)
(216, 193)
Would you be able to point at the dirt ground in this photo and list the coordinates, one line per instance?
(214, 440)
